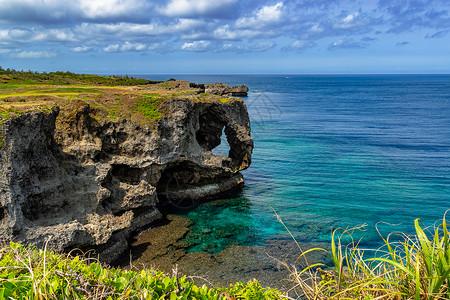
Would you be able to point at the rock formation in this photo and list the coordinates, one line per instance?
(222, 89)
(92, 183)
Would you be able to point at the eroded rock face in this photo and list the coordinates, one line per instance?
(93, 183)
(223, 89)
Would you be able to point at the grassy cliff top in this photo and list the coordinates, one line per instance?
(112, 97)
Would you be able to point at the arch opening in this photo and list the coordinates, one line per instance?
(223, 149)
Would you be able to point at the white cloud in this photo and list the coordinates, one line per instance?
(53, 35)
(35, 34)
(300, 45)
(66, 12)
(19, 33)
(196, 46)
(352, 20)
(227, 33)
(195, 8)
(224, 33)
(241, 48)
(81, 49)
(138, 31)
(112, 48)
(126, 47)
(159, 46)
(264, 16)
(316, 28)
(125, 9)
(133, 47)
(227, 46)
(346, 43)
(205, 25)
(34, 54)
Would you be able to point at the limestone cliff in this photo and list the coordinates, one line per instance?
(90, 182)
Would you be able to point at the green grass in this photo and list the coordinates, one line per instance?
(411, 267)
(23, 107)
(33, 91)
(29, 273)
(10, 86)
(58, 78)
(149, 105)
(71, 90)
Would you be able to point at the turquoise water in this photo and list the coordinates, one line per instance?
(334, 151)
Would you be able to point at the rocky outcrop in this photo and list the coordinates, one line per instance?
(223, 89)
(220, 89)
(88, 182)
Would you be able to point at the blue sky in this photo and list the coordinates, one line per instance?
(226, 36)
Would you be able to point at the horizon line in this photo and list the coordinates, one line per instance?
(261, 74)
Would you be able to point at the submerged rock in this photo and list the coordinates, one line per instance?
(92, 183)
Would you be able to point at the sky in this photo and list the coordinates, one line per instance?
(226, 36)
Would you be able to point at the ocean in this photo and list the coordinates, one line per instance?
(333, 151)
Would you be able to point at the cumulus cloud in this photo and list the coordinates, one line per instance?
(316, 29)
(348, 21)
(264, 16)
(34, 54)
(248, 47)
(198, 46)
(81, 26)
(299, 45)
(139, 31)
(81, 49)
(69, 12)
(113, 9)
(226, 32)
(126, 47)
(195, 8)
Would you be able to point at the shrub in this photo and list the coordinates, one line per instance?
(30, 273)
(416, 267)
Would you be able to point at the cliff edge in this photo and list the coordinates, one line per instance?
(74, 178)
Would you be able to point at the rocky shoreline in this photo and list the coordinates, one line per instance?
(162, 247)
(72, 179)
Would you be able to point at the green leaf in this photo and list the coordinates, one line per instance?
(173, 296)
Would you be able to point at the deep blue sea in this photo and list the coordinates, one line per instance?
(330, 152)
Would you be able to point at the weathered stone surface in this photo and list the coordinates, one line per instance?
(184, 86)
(223, 89)
(91, 183)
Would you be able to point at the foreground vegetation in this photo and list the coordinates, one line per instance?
(28, 273)
(418, 267)
(412, 267)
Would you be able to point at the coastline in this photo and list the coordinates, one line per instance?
(161, 247)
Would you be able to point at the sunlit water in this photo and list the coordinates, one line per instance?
(334, 151)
